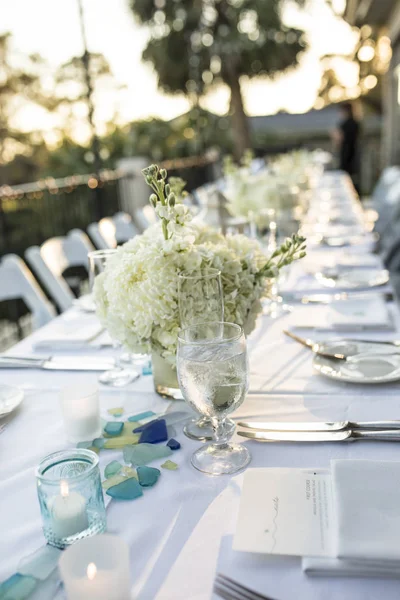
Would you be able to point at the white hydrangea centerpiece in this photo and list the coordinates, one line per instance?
(137, 294)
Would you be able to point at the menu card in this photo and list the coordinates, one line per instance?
(286, 511)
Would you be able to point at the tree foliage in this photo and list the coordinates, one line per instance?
(195, 44)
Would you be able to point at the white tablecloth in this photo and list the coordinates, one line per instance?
(180, 531)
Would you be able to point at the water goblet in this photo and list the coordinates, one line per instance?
(200, 299)
(120, 375)
(213, 377)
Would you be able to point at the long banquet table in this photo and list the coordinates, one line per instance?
(180, 531)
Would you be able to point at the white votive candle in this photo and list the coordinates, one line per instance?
(81, 412)
(96, 568)
(68, 513)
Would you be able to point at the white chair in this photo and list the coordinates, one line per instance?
(111, 231)
(144, 217)
(50, 261)
(17, 281)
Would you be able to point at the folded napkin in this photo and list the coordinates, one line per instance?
(68, 335)
(367, 500)
(361, 313)
(367, 504)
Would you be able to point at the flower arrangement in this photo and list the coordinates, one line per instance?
(137, 294)
(250, 194)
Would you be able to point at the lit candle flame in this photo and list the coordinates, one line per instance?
(91, 571)
(64, 489)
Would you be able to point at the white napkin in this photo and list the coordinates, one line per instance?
(367, 504)
(361, 313)
(68, 335)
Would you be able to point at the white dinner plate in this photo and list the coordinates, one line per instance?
(10, 398)
(85, 303)
(368, 363)
(359, 278)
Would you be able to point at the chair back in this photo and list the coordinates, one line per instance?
(17, 281)
(50, 261)
(144, 217)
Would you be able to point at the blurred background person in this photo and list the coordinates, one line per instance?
(346, 137)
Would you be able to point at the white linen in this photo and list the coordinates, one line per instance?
(68, 334)
(367, 499)
(174, 552)
(362, 313)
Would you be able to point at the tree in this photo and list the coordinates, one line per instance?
(20, 82)
(195, 44)
(367, 64)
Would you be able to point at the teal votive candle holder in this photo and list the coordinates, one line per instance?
(70, 496)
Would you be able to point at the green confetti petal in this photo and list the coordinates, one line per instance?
(121, 442)
(112, 468)
(116, 412)
(169, 465)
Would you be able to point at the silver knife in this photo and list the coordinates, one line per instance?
(319, 425)
(346, 435)
(58, 363)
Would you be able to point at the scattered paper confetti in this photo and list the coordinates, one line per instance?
(154, 432)
(141, 416)
(173, 444)
(171, 466)
(116, 412)
(148, 476)
(40, 564)
(142, 454)
(126, 490)
(120, 442)
(114, 428)
(112, 468)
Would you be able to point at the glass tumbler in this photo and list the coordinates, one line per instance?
(70, 496)
(122, 374)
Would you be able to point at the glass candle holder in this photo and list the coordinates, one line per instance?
(96, 569)
(81, 412)
(70, 496)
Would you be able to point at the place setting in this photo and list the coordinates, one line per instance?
(149, 401)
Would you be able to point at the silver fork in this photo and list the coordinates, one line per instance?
(228, 589)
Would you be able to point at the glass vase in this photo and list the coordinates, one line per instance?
(70, 496)
(165, 377)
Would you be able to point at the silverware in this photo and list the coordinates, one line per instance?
(315, 347)
(346, 435)
(320, 426)
(227, 588)
(57, 363)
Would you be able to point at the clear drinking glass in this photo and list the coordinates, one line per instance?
(213, 376)
(122, 373)
(200, 299)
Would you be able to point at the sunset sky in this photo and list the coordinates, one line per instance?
(51, 28)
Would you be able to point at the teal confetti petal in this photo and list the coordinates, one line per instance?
(114, 428)
(17, 587)
(99, 443)
(148, 476)
(142, 454)
(127, 490)
(84, 445)
(40, 564)
(140, 416)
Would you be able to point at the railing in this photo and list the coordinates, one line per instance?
(32, 213)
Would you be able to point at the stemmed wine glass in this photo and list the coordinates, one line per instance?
(200, 300)
(120, 375)
(213, 377)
